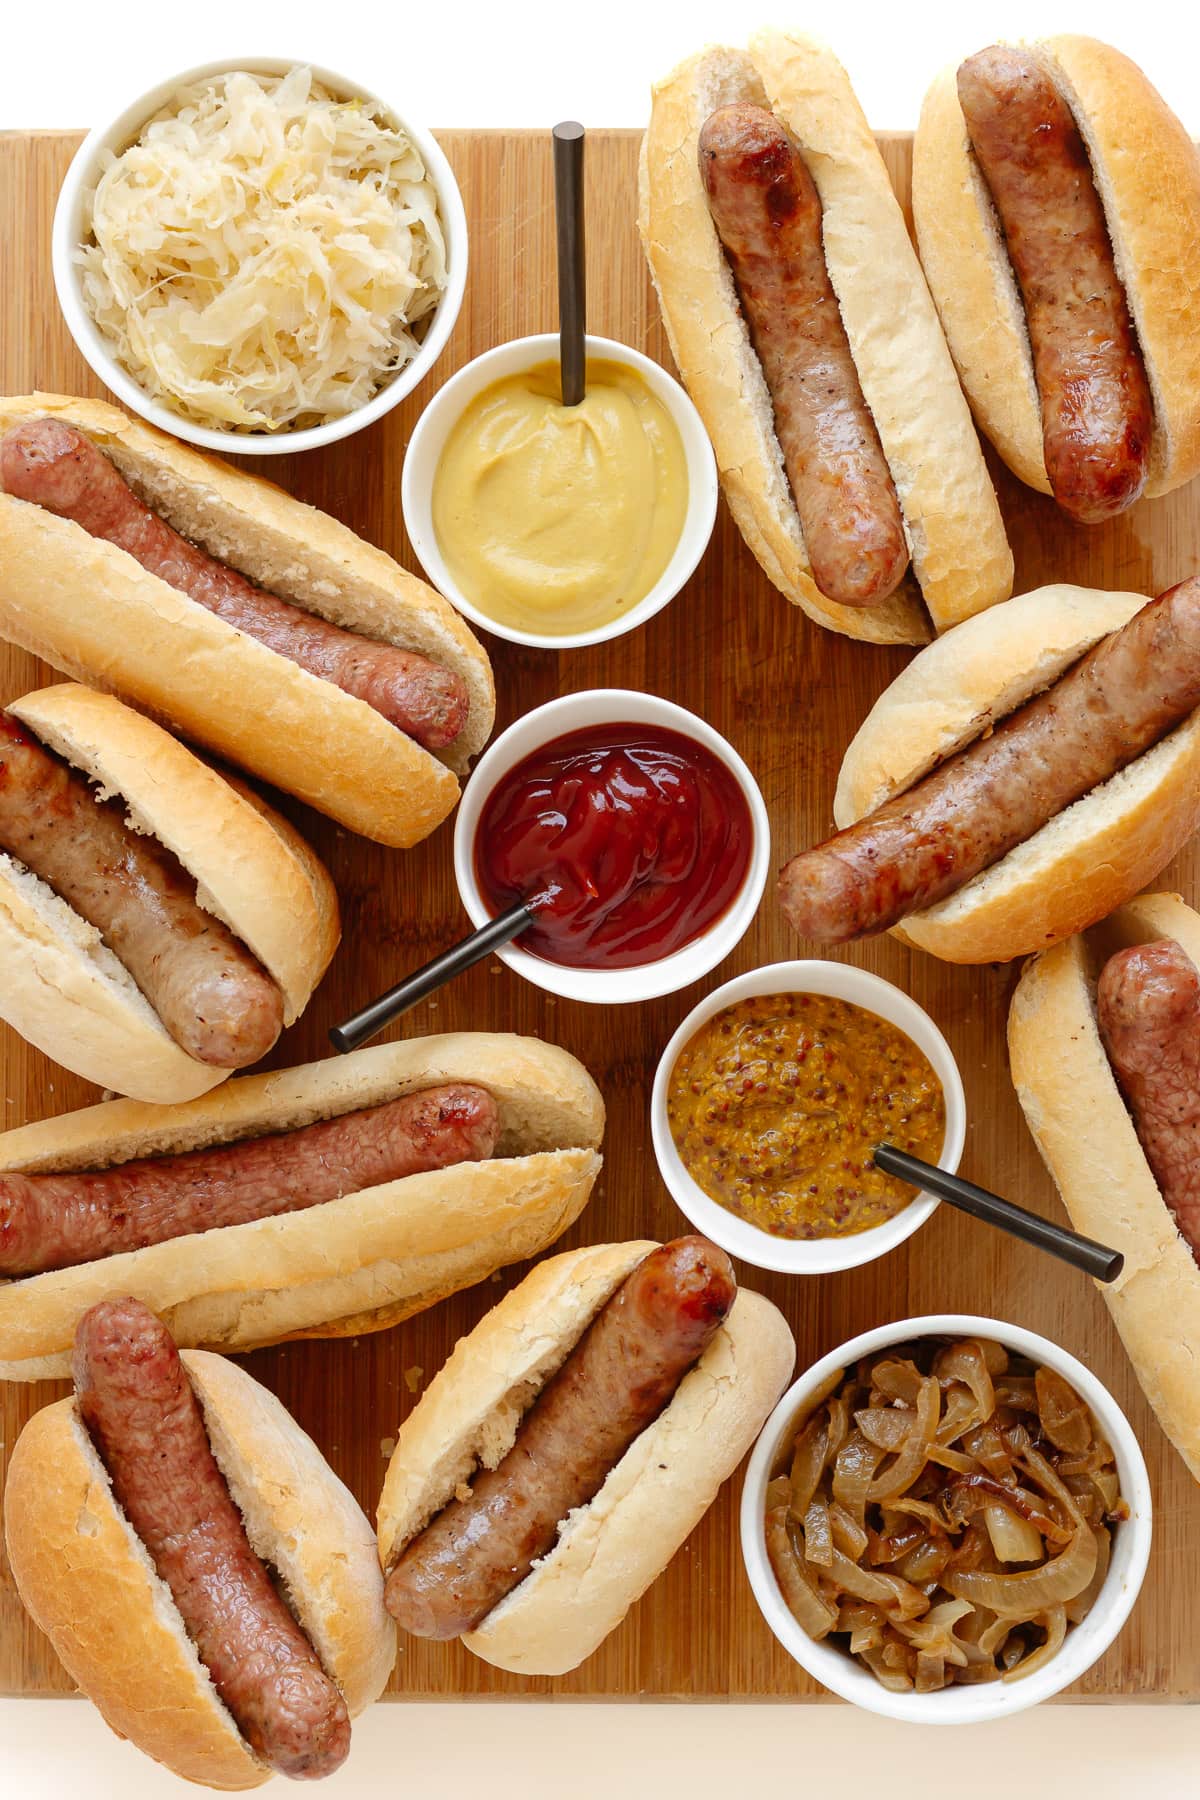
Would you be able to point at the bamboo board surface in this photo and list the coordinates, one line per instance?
(789, 697)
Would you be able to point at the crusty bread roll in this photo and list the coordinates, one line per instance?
(91, 609)
(1082, 1127)
(64, 990)
(609, 1551)
(347, 1266)
(1147, 173)
(961, 559)
(1084, 862)
(88, 1580)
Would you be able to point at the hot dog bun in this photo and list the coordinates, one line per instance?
(91, 609)
(1147, 173)
(1087, 1139)
(63, 990)
(88, 1580)
(613, 1548)
(1084, 862)
(961, 558)
(348, 1266)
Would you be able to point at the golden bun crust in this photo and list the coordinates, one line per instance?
(1087, 1139)
(90, 609)
(63, 990)
(350, 1265)
(89, 1583)
(1082, 863)
(1147, 173)
(972, 281)
(961, 559)
(303, 1521)
(610, 1551)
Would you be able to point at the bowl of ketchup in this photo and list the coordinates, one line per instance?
(635, 833)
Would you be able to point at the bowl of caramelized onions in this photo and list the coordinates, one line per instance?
(946, 1520)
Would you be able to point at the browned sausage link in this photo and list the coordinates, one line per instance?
(768, 218)
(56, 466)
(137, 1402)
(54, 1221)
(622, 1373)
(214, 998)
(1148, 1003)
(1097, 414)
(929, 841)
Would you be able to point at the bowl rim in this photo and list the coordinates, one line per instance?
(446, 407)
(554, 719)
(1085, 1643)
(808, 1256)
(93, 347)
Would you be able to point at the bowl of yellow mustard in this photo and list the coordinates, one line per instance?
(558, 526)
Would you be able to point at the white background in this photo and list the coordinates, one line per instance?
(530, 62)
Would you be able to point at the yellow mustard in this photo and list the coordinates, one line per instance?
(558, 519)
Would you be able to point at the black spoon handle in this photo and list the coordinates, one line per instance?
(572, 265)
(435, 974)
(1091, 1258)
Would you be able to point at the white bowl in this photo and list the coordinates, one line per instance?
(1084, 1643)
(447, 407)
(70, 230)
(807, 1256)
(575, 712)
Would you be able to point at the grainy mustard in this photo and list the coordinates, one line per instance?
(777, 1104)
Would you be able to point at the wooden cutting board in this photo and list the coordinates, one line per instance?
(789, 697)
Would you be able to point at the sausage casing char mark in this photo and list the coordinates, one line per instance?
(768, 217)
(927, 842)
(143, 1417)
(1148, 1007)
(55, 465)
(617, 1380)
(213, 997)
(1097, 413)
(55, 1221)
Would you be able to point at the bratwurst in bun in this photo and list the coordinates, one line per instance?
(570, 1444)
(201, 1571)
(1057, 206)
(256, 625)
(159, 925)
(799, 318)
(322, 1201)
(1104, 1045)
(1024, 775)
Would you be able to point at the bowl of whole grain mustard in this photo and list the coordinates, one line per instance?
(770, 1099)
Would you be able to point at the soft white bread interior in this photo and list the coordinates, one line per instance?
(63, 990)
(961, 558)
(351, 1265)
(92, 610)
(1147, 173)
(1081, 1125)
(88, 1581)
(1082, 863)
(609, 1551)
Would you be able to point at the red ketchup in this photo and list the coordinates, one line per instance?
(627, 840)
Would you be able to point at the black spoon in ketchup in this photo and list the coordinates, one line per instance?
(418, 986)
(615, 846)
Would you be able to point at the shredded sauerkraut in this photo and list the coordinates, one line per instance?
(262, 255)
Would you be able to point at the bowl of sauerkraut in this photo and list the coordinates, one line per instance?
(260, 256)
